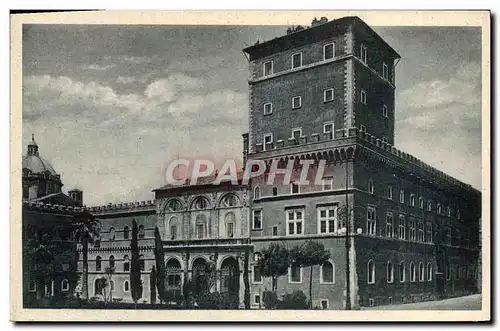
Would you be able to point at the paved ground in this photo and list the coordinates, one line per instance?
(471, 302)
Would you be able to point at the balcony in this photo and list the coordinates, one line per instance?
(206, 242)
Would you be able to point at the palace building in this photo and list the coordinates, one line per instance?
(398, 230)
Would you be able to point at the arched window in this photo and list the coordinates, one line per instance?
(230, 221)
(64, 285)
(402, 272)
(229, 200)
(126, 287)
(174, 205)
(201, 226)
(390, 272)
(98, 263)
(112, 261)
(140, 232)
(256, 193)
(371, 187)
(173, 273)
(173, 228)
(126, 263)
(429, 271)
(371, 272)
(99, 286)
(412, 272)
(201, 203)
(126, 232)
(111, 233)
(142, 263)
(421, 272)
(328, 273)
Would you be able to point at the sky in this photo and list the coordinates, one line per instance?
(111, 106)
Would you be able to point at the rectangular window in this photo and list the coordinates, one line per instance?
(389, 192)
(328, 95)
(411, 225)
(385, 71)
(328, 129)
(428, 232)
(439, 208)
(328, 51)
(327, 183)
(296, 102)
(230, 229)
(173, 232)
(296, 134)
(32, 286)
(268, 140)
(324, 304)
(384, 111)
(257, 220)
(275, 191)
(402, 196)
(363, 97)
(275, 230)
(429, 205)
(256, 275)
(402, 227)
(421, 203)
(268, 108)
(371, 222)
(268, 68)
(389, 221)
(420, 232)
(200, 230)
(327, 219)
(295, 273)
(294, 188)
(297, 60)
(256, 299)
(364, 53)
(295, 222)
(412, 200)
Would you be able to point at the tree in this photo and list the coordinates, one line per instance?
(160, 266)
(85, 231)
(309, 254)
(109, 272)
(274, 262)
(152, 284)
(135, 267)
(246, 298)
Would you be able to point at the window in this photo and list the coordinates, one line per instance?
(389, 192)
(230, 219)
(126, 231)
(421, 271)
(364, 52)
(371, 222)
(296, 134)
(327, 218)
(324, 304)
(126, 263)
(390, 272)
(98, 263)
(371, 272)
(390, 300)
(294, 188)
(295, 273)
(402, 196)
(112, 234)
(201, 227)
(439, 209)
(328, 128)
(429, 205)
(384, 140)
(371, 302)
(428, 232)
(268, 139)
(297, 60)
(256, 299)
(402, 227)
(448, 271)
(126, 286)
(448, 211)
(327, 273)
(257, 219)
(402, 272)
(268, 68)
(173, 232)
(97, 241)
(412, 228)
(140, 232)
(256, 193)
(294, 220)
(268, 108)
(328, 95)
(389, 221)
(421, 203)
(112, 261)
(429, 272)
(275, 191)
(327, 183)
(275, 230)
(371, 187)
(385, 71)
(296, 102)
(412, 272)
(412, 199)
(328, 51)
(384, 111)
(448, 235)
(142, 263)
(32, 286)
(174, 205)
(256, 275)
(420, 231)
(363, 97)
(201, 203)
(362, 128)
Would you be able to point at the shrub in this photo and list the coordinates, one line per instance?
(295, 300)
(270, 300)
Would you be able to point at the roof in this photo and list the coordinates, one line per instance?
(202, 181)
(37, 164)
(305, 36)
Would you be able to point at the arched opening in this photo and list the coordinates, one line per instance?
(100, 284)
(112, 234)
(173, 206)
(412, 272)
(126, 263)
(126, 232)
(173, 274)
(229, 201)
(200, 203)
(141, 232)
(112, 261)
(256, 193)
(328, 273)
(98, 263)
(64, 285)
(173, 228)
(421, 272)
(429, 271)
(202, 277)
(402, 272)
(371, 272)
(390, 272)
(230, 280)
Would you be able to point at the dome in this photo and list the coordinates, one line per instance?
(37, 164)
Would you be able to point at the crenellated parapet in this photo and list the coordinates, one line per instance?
(136, 206)
(54, 208)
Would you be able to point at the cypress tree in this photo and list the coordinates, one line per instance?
(160, 266)
(135, 266)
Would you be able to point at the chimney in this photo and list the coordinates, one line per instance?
(77, 196)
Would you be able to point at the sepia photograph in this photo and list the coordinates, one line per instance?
(250, 166)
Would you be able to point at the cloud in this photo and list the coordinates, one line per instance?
(98, 67)
(125, 79)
